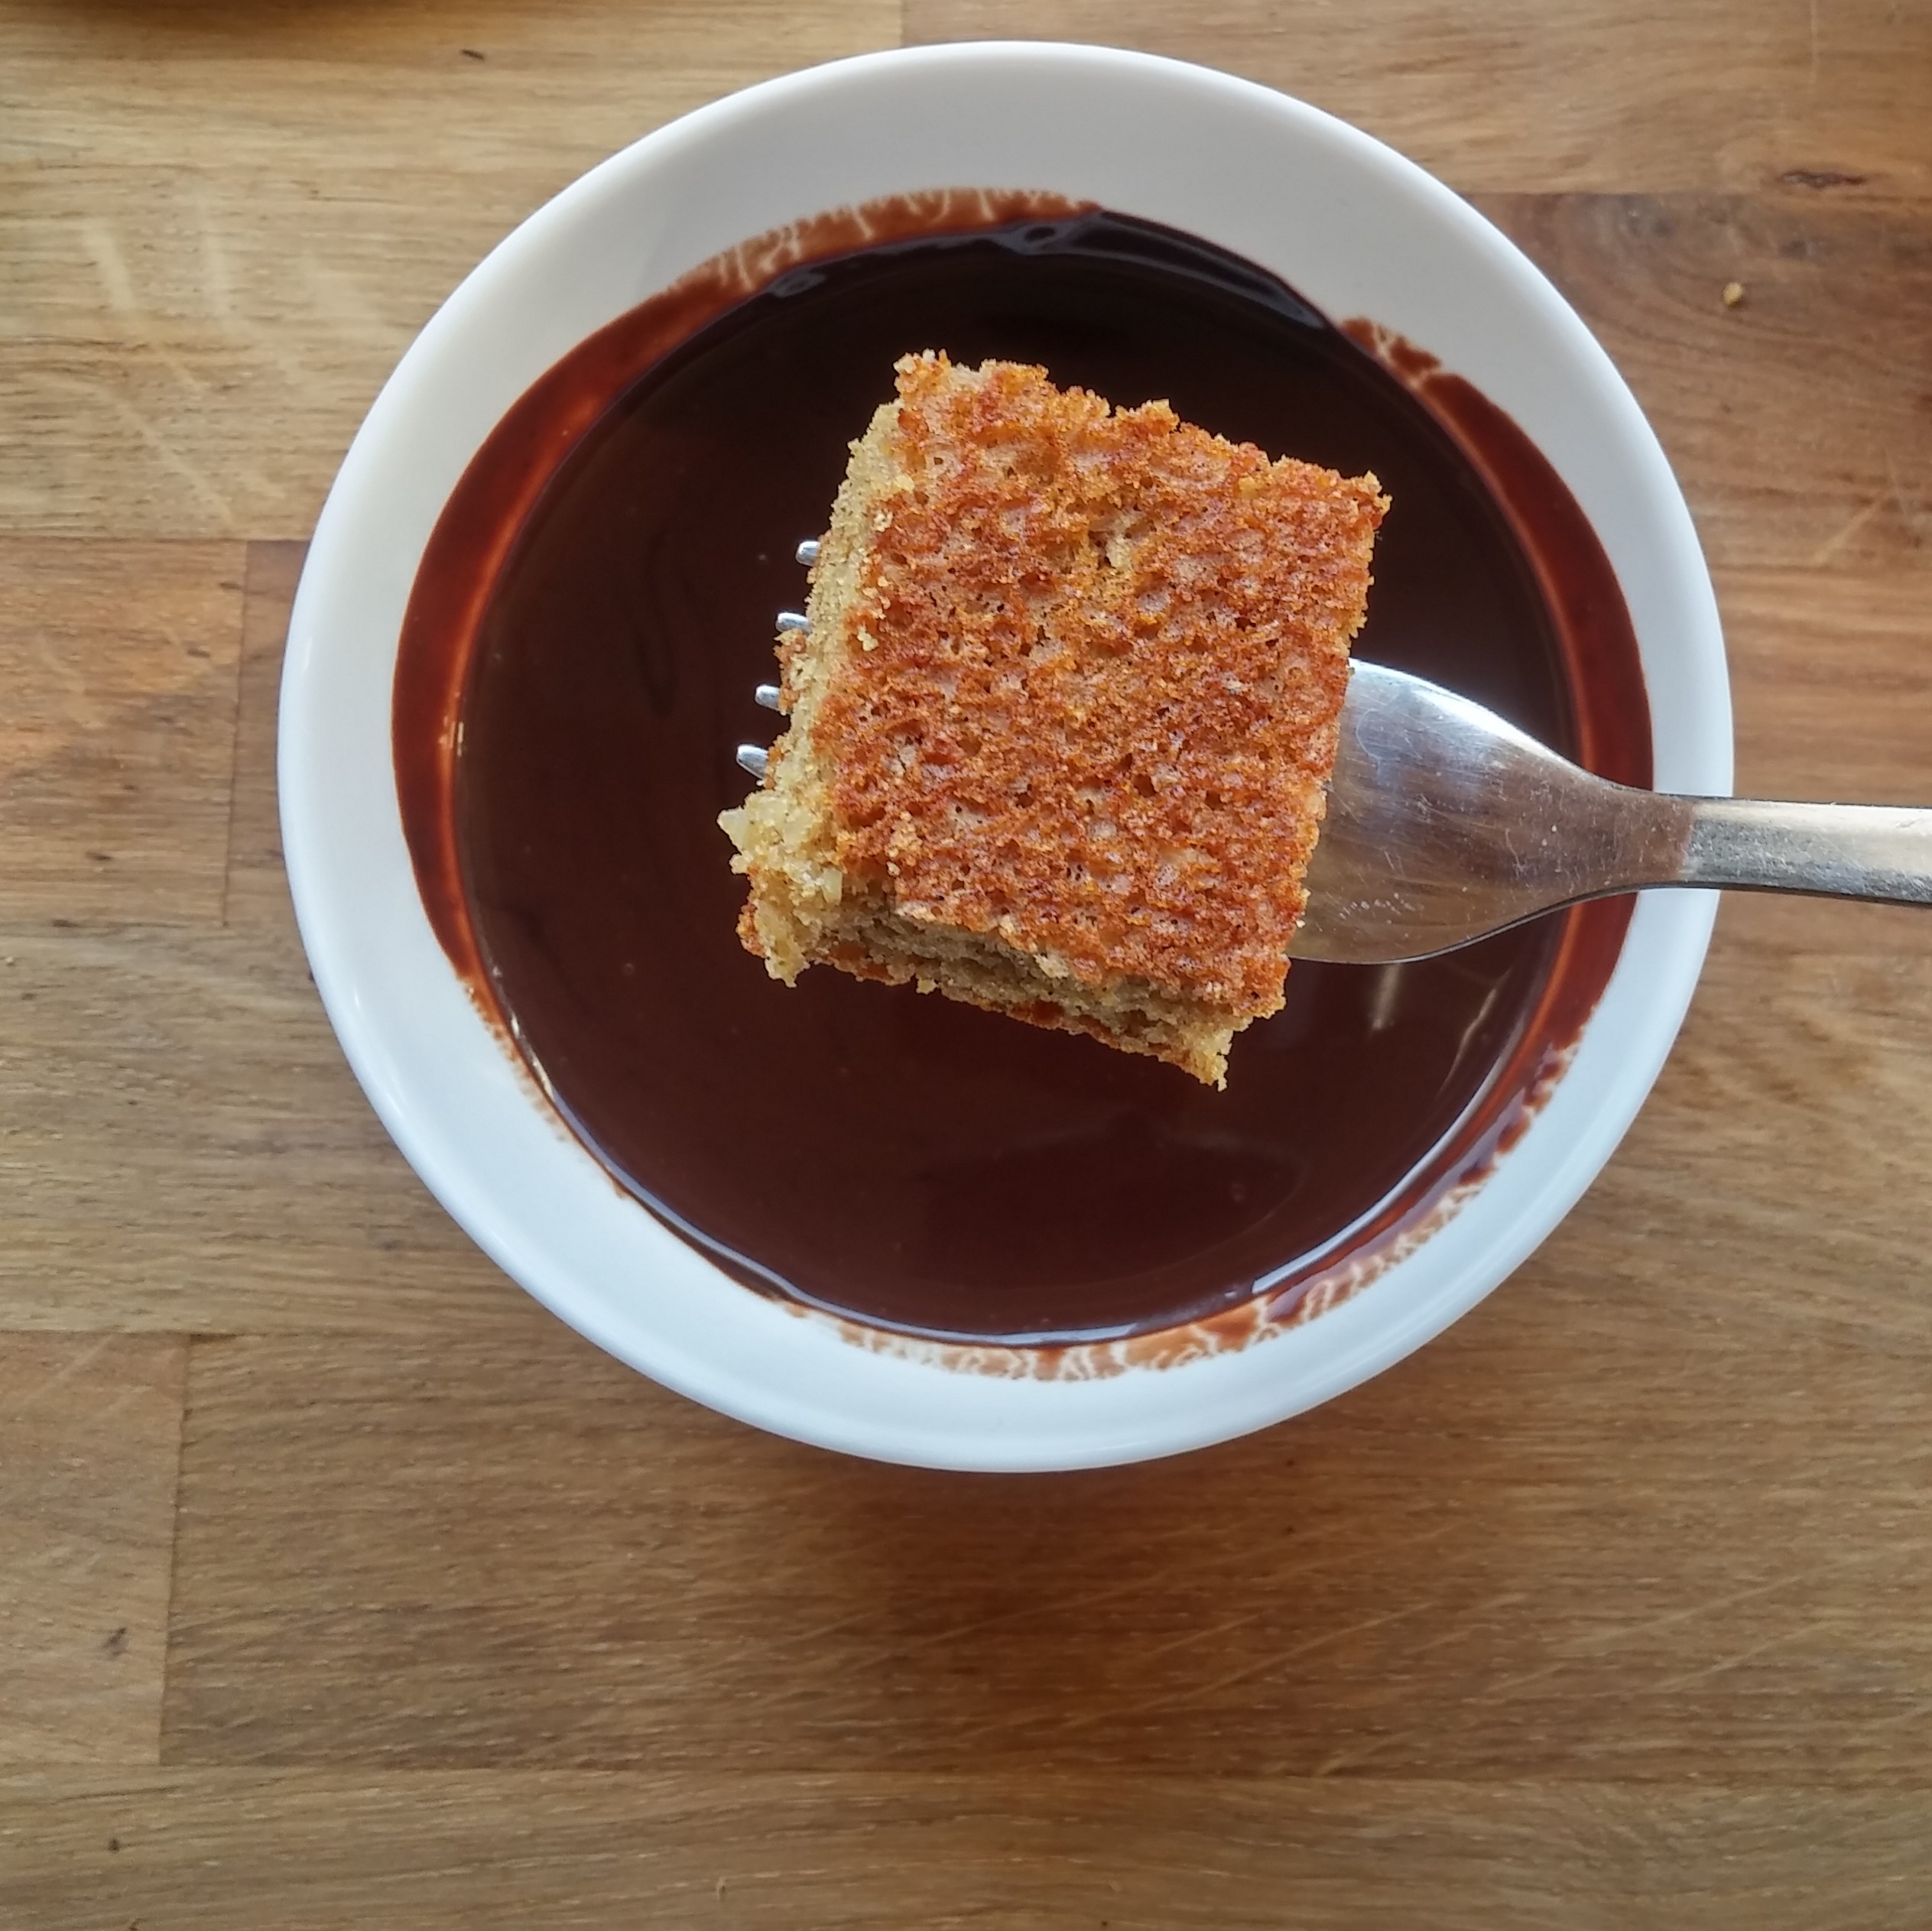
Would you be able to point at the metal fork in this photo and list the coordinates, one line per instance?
(1446, 824)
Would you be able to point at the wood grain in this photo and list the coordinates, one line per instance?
(255, 887)
(1832, 688)
(1800, 421)
(184, 1149)
(1775, 1176)
(483, 1553)
(226, 221)
(117, 661)
(1620, 96)
(340, 1585)
(90, 1429)
(502, 1851)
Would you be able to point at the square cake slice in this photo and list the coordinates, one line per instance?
(1060, 728)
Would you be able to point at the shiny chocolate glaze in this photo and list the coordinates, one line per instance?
(596, 608)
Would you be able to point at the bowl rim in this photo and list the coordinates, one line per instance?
(1019, 1424)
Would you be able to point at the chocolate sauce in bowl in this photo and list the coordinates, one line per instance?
(595, 609)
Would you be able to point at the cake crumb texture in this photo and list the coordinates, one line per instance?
(1061, 726)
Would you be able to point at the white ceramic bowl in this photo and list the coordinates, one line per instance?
(1354, 226)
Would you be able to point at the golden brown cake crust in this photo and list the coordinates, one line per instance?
(1097, 700)
(1060, 731)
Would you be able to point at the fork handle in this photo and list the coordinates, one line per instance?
(1832, 851)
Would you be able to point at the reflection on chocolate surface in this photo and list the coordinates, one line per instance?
(596, 604)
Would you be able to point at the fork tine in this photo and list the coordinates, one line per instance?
(754, 758)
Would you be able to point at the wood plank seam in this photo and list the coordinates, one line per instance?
(235, 726)
(191, 1342)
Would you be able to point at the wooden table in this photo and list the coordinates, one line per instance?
(340, 1586)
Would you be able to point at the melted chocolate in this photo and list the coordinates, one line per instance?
(597, 603)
